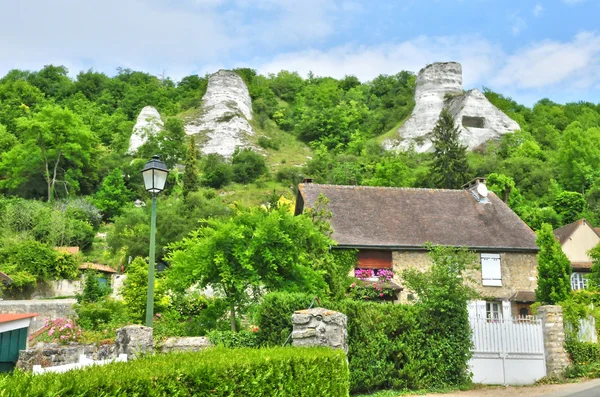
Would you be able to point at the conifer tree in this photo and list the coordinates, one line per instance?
(113, 195)
(190, 176)
(450, 167)
(554, 269)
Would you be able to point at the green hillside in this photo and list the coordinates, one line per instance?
(63, 144)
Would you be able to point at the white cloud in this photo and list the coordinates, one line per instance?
(537, 10)
(517, 23)
(477, 56)
(550, 63)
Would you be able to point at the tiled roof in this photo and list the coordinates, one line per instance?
(98, 267)
(408, 218)
(523, 296)
(6, 318)
(6, 278)
(563, 233)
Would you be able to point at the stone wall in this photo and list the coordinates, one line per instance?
(51, 309)
(320, 327)
(184, 344)
(519, 273)
(47, 290)
(554, 340)
(53, 354)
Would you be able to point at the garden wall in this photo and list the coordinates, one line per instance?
(52, 309)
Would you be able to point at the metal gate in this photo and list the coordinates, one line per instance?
(11, 342)
(507, 351)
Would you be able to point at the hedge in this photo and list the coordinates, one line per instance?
(213, 372)
(389, 345)
(583, 352)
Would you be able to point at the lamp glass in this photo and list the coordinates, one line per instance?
(155, 174)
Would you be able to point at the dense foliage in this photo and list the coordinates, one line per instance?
(386, 340)
(554, 269)
(309, 372)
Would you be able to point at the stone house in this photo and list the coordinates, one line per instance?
(576, 240)
(390, 226)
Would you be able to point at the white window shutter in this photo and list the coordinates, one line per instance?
(506, 310)
(481, 310)
(491, 271)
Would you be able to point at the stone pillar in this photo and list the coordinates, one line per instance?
(320, 327)
(134, 340)
(554, 340)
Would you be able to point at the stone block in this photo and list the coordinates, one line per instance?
(134, 340)
(320, 327)
(184, 344)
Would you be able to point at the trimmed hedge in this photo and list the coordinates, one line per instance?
(279, 371)
(389, 345)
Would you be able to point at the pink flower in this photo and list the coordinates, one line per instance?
(381, 294)
(51, 331)
(353, 285)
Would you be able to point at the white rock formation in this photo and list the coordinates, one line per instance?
(226, 110)
(148, 123)
(439, 86)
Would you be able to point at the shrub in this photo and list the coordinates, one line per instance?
(96, 316)
(267, 143)
(583, 352)
(247, 165)
(216, 172)
(135, 291)
(232, 339)
(60, 330)
(289, 174)
(93, 289)
(307, 372)
(274, 316)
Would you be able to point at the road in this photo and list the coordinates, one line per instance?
(585, 389)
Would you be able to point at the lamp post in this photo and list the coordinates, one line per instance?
(155, 175)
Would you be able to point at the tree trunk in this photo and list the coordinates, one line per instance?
(232, 315)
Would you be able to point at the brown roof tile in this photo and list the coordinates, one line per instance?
(581, 265)
(97, 266)
(402, 217)
(563, 233)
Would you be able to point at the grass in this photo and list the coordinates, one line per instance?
(396, 393)
(253, 194)
(392, 132)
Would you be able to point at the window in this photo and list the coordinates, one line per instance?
(524, 312)
(493, 310)
(578, 281)
(491, 273)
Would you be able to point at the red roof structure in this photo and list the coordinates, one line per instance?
(98, 267)
(7, 318)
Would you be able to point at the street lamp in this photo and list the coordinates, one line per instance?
(155, 175)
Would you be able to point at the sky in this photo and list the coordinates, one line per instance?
(524, 49)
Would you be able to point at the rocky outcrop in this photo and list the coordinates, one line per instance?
(223, 123)
(438, 87)
(148, 123)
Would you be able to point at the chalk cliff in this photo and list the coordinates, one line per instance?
(148, 123)
(226, 109)
(438, 87)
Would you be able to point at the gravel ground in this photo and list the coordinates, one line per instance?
(512, 391)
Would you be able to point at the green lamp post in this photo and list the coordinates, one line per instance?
(155, 176)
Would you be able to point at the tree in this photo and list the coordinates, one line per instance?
(113, 195)
(450, 167)
(55, 144)
(554, 269)
(135, 291)
(569, 205)
(247, 165)
(93, 289)
(594, 276)
(190, 176)
(216, 172)
(253, 251)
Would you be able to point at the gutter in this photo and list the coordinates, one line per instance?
(424, 249)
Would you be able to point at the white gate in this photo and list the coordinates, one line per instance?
(507, 351)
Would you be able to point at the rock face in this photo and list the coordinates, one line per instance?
(320, 327)
(148, 123)
(438, 87)
(133, 340)
(226, 110)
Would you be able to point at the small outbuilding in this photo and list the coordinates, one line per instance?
(14, 329)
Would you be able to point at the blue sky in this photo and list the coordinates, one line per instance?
(524, 49)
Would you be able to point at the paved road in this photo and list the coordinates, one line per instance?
(586, 389)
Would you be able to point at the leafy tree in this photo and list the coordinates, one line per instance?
(55, 144)
(251, 251)
(135, 291)
(216, 172)
(504, 187)
(190, 176)
(169, 142)
(579, 156)
(569, 205)
(247, 165)
(450, 167)
(554, 269)
(594, 277)
(113, 195)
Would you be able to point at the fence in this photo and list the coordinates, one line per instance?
(83, 362)
(507, 350)
(586, 331)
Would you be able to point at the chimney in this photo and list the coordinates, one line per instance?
(308, 180)
(478, 189)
